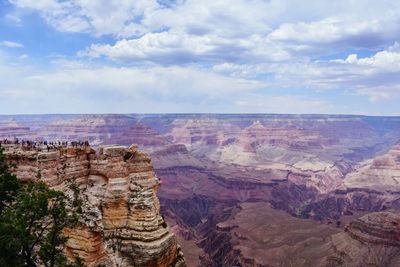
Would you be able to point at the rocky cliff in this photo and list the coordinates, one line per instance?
(380, 228)
(121, 224)
(371, 240)
(381, 173)
(371, 185)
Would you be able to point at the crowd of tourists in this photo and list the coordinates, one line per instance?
(44, 145)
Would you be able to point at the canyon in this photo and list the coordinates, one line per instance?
(246, 189)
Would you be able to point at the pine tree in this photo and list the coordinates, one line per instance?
(9, 185)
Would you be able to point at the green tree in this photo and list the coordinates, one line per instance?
(9, 185)
(31, 222)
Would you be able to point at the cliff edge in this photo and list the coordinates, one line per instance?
(120, 224)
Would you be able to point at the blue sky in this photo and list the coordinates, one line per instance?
(222, 56)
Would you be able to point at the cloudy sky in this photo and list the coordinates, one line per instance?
(223, 56)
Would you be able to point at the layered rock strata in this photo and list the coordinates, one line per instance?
(121, 224)
(381, 173)
(379, 228)
(371, 240)
(371, 185)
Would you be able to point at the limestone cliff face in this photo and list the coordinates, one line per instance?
(121, 224)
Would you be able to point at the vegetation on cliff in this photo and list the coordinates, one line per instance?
(32, 218)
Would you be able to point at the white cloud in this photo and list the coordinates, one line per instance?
(376, 77)
(97, 17)
(85, 88)
(328, 30)
(131, 18)
(81, 87)
(240, 54)
(210, 31)
(283, 104)
(176, 48)
(11, 44)
(379, 94)
(388, 59)
(14, 18)
(219, 31)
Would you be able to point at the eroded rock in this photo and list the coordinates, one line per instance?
(121, 224)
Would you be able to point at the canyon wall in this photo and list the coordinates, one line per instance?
(312, 171)
(371, 240)
(120, 223)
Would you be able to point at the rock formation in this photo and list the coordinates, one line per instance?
(371, 240)
(121, 224)
(372, 185)
(261, 236)
(381, 173)
(380, 228)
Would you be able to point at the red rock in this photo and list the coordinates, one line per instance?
(121, 224)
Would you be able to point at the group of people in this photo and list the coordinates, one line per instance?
(44, 145)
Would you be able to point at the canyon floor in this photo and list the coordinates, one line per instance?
(259, 189)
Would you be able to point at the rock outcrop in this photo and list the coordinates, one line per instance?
(381, 173)
(371, 240)
(371, 185)
(379, 228)
(121, 224)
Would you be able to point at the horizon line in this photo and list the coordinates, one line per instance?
(199, 113)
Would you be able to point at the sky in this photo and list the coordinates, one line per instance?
(200, 56)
